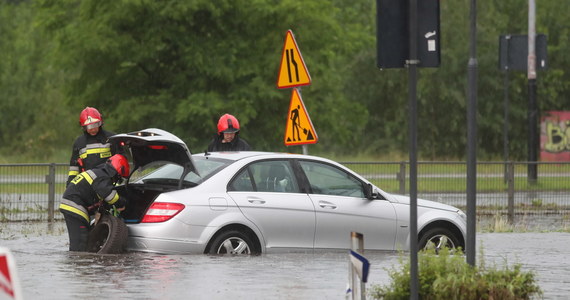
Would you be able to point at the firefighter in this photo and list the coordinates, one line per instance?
(228, 138)
(92, 148)
(87, 189)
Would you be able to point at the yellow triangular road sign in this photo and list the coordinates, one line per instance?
(292, 71)
(299, 129)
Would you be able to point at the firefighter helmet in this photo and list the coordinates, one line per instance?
(120, 164)
(228, 124)
(90, 118)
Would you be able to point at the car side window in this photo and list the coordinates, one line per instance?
(329, 180)
(274, 176)
(242, 182)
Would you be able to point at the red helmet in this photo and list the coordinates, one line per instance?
(228, 124)
(90, 118)
(120, 163)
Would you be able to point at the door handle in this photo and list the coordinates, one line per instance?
(325, 204)
(254, 200)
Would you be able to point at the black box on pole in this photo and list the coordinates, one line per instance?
(513, 52)
(392, 33)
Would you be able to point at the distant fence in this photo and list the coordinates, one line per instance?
(503, 188)
(32, 192)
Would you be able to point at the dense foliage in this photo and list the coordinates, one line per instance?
(179, 65)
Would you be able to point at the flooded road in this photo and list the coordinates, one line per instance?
(48, 271)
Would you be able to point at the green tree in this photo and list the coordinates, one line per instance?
(180, 65)
(31, 117)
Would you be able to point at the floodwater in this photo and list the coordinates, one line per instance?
(48, 271)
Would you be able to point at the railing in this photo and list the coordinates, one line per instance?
(33, 191)
(503, 188)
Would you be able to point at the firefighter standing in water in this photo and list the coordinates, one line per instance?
(228, 138)
(86, 189)
(92, 148)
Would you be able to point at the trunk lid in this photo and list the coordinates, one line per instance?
(153, 145)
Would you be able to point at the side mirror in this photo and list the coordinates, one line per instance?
(369, 191)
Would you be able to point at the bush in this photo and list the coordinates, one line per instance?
(448, 276)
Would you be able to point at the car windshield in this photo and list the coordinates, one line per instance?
(161, 173)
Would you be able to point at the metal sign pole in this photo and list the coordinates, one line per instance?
(412, 64)
(472, 138)
(532, 110)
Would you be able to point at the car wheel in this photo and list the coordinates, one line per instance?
(109, 236)
(232, 242)
(437, 239)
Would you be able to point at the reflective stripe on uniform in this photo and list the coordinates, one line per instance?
(75, 208)
(90, 176)
(73, 170)
(113, 197)
(104, 150)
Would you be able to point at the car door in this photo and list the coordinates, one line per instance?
(268, 194)
(341, 208)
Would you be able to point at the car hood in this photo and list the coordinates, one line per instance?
(155, 145)
(424, 203)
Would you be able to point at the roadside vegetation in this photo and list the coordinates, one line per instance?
(180, 65)
(447, 276)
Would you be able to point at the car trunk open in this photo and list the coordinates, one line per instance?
(147, 148)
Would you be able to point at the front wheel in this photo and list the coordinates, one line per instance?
(437, 239)
(232, 242)
(109, 236)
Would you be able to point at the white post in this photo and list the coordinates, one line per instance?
(357, 245)
(531, 40)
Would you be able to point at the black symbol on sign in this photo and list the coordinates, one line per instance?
(291, 60)
(295, 126)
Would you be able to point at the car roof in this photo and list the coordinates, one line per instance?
(152, 145)
(260, 155)
(238, 155)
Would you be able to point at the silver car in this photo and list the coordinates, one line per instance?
(262, 202)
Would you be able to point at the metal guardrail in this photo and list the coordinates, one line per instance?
(31, 192)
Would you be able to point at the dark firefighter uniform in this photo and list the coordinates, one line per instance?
(90, 151)
(237, 144)
(85, 190)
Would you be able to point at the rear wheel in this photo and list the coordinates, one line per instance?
(232, 242)
(109, 236)
(437, 239)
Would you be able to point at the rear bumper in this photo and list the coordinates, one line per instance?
(164, 246)
(172, 237)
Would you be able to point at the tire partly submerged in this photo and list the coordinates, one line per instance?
(109, 236)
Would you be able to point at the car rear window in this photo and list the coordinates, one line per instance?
(206, 167)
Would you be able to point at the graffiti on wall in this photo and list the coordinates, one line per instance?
(555, 136)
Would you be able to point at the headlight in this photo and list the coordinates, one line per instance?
(462, 214)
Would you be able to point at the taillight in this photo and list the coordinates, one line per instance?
(162, 211)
